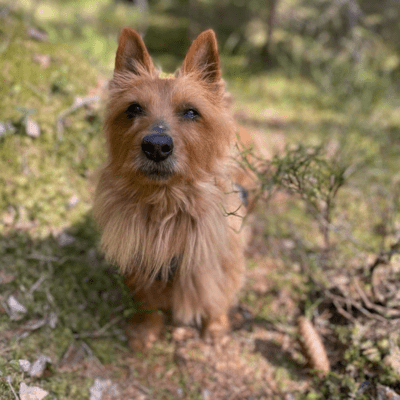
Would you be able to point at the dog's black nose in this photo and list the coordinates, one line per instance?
(157, 146)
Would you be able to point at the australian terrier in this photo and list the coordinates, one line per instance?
(168, 209)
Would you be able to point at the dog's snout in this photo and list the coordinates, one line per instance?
(157, 146)
(160, 128)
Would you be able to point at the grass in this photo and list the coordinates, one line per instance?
(49, 256)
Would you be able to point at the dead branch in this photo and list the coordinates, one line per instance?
(78, 103)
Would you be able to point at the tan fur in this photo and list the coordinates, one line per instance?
(146, 222)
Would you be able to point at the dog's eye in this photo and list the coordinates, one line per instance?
(191, 113)
(134, 110)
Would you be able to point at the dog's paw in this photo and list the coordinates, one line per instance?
(144, 330)
(139, 340)
(215, 331)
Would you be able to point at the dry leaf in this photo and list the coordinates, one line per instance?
(3, 129)
(32, 128)
(39, 366)
(42, 59)
(37, 34)
(182, 333)
(24, 365)
(15, 306)
(73, 201)
(52, 320)
(64, 239)
(386, 393)
(102, 386)
(6, 278)
(31, 392)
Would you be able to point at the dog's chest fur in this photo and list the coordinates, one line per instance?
(148, 236)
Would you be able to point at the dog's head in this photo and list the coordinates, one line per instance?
(164, 129)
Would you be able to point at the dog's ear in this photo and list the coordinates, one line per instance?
(132, 54)
(202, 57)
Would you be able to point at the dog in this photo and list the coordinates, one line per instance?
(166, 202)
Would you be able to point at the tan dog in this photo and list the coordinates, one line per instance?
(169, 213)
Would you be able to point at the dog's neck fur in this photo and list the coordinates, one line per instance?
(168, 223)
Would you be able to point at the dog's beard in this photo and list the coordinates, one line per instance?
(157, 170)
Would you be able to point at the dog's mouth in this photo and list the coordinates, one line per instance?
(157, 170)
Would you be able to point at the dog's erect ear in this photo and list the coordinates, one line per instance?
(203, 57)
(132, 54)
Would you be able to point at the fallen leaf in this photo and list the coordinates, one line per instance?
(205, 395)
(182, 333)
(37, 34)
(39, 366)
(100, 387)
(386, 393)
(15, 306)
(30, 326)
(64, 239)
(52, 320)
(32, 128)
(3, 129)
(42, 59)
(24, 365)
(6, 278)
(31, 392)
(73, 201)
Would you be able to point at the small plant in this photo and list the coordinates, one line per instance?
(308, 172)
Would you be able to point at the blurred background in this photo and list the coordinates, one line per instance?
(334, 43)
(316, 82)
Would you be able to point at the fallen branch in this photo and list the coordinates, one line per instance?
(78, 103)
(384, 257)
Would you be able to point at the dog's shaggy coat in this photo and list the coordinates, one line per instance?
(173, 226)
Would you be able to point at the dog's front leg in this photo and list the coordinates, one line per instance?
(147, 324)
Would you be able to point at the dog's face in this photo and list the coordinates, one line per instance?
(160, 130)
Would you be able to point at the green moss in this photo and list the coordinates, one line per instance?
(43, 173)
(68, 386)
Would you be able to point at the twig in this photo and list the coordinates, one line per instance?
(384, 311)
(41, 257)
(8, 379)
(6, 43)
(36, 285)
(344, 233)
(63, 114)
(92, 357)
(36, 91)
(367, 313)
(384, 257)
(99, 332)
(140, 387)
(353, 303)
(109, 324)
(336, 301)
